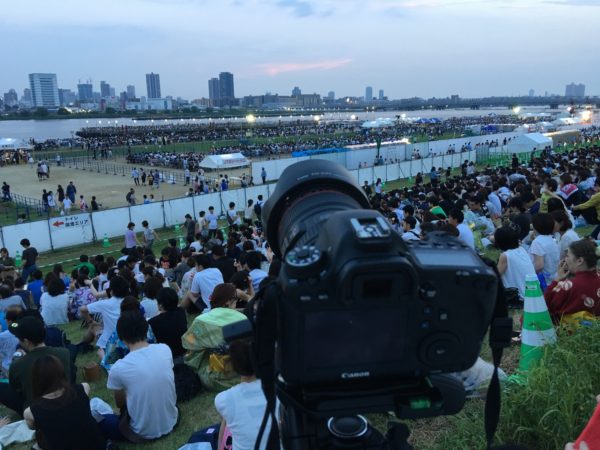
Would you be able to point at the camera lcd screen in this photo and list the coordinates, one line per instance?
(447, 258)
(347, 339)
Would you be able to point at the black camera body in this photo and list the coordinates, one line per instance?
(359, 303)
(360, 321)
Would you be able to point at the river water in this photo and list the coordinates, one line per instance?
(48, 129)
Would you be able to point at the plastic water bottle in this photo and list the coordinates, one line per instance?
(18, 259)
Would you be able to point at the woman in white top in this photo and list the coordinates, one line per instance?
(514, 263)
(54, 304)
(563, 231)
(242, 406)
(544, 250)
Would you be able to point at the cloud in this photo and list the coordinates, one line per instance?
(574, 2)
(274, 69)
(299, 8)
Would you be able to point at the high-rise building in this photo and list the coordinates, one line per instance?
(11, 98)
(531, 92)
(226, 89)
(44, 90)
(130, 92)
(381, 95)
(214, 92)
(296, 91)
(26, 96)
(112, 92)
(104, 89)
(66, 96)
(368, 94)
(153, 85)
(331, 95)
(575, 90)
(85, 92)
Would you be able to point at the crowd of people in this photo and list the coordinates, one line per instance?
(528, 211)
(99, 141)
(154, 316)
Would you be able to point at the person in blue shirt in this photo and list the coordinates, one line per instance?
(35, 287)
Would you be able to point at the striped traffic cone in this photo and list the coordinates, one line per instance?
(537, 331)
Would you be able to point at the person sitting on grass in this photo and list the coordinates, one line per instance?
(84, 261)
(31, 332)
(514, 263)
(204, 339)
(544, 250)
(8, 341)
(54, 304)
(36, 286)
(115, 348)
(83, 294)
(170, 323)
(60, 413)
(109, 310)
(574, 295)
(242, 405)
(143, 385)
(8, 298)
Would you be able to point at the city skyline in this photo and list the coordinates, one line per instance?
(429, 48)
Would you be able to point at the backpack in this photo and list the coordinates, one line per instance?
(187, 382)
(258, 210)
(230, 220)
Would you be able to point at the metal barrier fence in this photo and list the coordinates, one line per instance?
(102, 166)
(19, 208)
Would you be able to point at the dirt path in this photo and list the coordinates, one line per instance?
(110, 190)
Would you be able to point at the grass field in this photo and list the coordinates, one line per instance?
(557, 393)
(462, 431)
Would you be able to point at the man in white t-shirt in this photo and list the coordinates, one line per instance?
(456, 218)
(143, 382)
(109, 309)
(211, 219)
(232, 216)
(203, 284)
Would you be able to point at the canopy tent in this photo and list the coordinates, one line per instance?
(13, 144)
(229, 161)
(529, 142)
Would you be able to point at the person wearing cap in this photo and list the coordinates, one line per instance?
(30, 331)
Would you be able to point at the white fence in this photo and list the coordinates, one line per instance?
(401, 152)
(66, 231)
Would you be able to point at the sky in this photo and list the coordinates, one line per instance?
(408, 48)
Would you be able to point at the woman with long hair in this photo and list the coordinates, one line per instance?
(60, 413)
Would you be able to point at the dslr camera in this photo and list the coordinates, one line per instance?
(360, 321)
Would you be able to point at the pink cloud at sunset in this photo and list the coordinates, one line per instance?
(274, 69)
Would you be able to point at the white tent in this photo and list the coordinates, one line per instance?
(528, 142)
(229, 161)
(13, 144)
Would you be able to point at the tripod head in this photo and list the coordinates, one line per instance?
(329, 417)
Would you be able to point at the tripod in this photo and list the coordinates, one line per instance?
(328, 417)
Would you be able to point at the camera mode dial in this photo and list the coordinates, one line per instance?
(304, 261)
